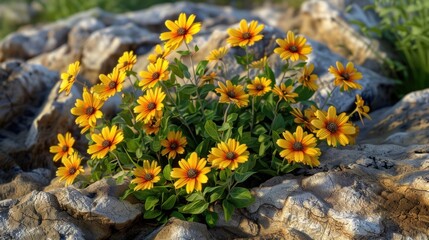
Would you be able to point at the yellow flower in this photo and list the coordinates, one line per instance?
(180, 30)
(217, 54)
(87, 110)
(285, 92)
(299, 147)
(352, 137)
(232, 94)
(259, 86)
(293, 48)
(361, 108)
(110, 84)
(105, 141)
(152, 126)
(208, 78)
(228, 155)
(333, 128)
(346, 77)
(192, 173)
(305, 118)
(159, 53)
(149, 104)
(174, 144)
(64, 147)
(246, 34)
(155, 72)
(260, 64)
(127, 61)
(146, 176)
(71, 169)
(69, 77)
(308, 79)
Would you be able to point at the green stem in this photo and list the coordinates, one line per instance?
(327, 98)
(247, 63)
(226, 113)
(253, 114)
(196, 83)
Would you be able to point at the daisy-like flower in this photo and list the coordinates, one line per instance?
(260, 64)
(293, 48)
(87, 110)
(152, 127)
(228, 155)
(232, 94)
(110, 84)
(333, 128)
(69, 77)
(246, 34)
(155, 72)
(64, 147)
(305, 118)
(71, 169)
(285, 93)
(217, 54)
(160, 53)
(127, 61)
(346, 77)
(149, 104)
(180, 30)
(299, 147)
(146, 176)
(361, 108)
(259, 86)
(105, 141)
(192, 173)
(174, 144)
(208, 78)
(308, 79)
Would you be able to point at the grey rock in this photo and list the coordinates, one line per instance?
(17, 183)
(178, 229)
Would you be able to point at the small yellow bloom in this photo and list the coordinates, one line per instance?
(155, 72)
(110, 84)
(308, 79)
(64, 147)
(149, 104)
(260, 64)
(146, 176)
(71, 169)
(192, 173)
(228, 155)
(361, 108)
(69, 77)
(259, 86)
(87, 110)
(105, 141)
(285, 93)
(174, 144)
(208, 78)
(127, 61)
(346, 77)
(160, 53)
(246, 34)
(305, 118)
(293, 48)
(217, 54)
(232, 94)
(180, 30)
(152, 127)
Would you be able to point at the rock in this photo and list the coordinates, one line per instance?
(16, 183)
(178, 229)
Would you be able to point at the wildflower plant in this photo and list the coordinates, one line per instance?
(184, 152)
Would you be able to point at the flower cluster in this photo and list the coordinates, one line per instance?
(185, 151)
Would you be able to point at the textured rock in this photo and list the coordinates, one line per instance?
(178, 229)
(15, 183)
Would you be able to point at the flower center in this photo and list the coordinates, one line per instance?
(155, 75)
(173, 146)
(192, 173)
(126, 63)
(151, 106)
(106, 143)
(230, 155)
(112, 84)
(159, 56)
(259, 87)
(70, 78)
(231, 94)
(72, 170)
(346, 76)
(297, 146)
(181, 31)
(90, 110)
(332, 127)
(246, 35)
(65, 149)
(307, 78)
(148, 177)
(293, 49)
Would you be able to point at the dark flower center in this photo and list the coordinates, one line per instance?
(155, 75)
(259, 87)
(159, 56)
(106, 143)
(90, 110)
(307, 78)
(192, 173)
(297, 146)
(126, 63)
(65, 149)
(231, 94)
(293, 49)
(230, 155)
(148, 177)
(332, 127)
(181, 31)
(151, 106)
(72, 170)
(112, 84)
(70, 78)
(246, 35)
(346, 76)
(173, 146)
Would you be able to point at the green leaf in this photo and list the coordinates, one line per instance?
(278, 122)
(241, 197)
(133, 144)
(196, 207)
(187, 89)
(196, 196)
(211, 129)
(217, 194)
(225, 126)
(139, 153)
(155, 146)
(232, 117)
(151, 214)
(201, 67)
(150, 202)
(178, 215)
(176, 70)
(241, 177)
(184, 53)
(206, 89)
(228, 209)
(263, 148)
(167, 172)
(270, 74)
(304, 93)
(211, 219)
(169, 203)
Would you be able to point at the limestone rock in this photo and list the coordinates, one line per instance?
(16, 183)
(178, 229)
